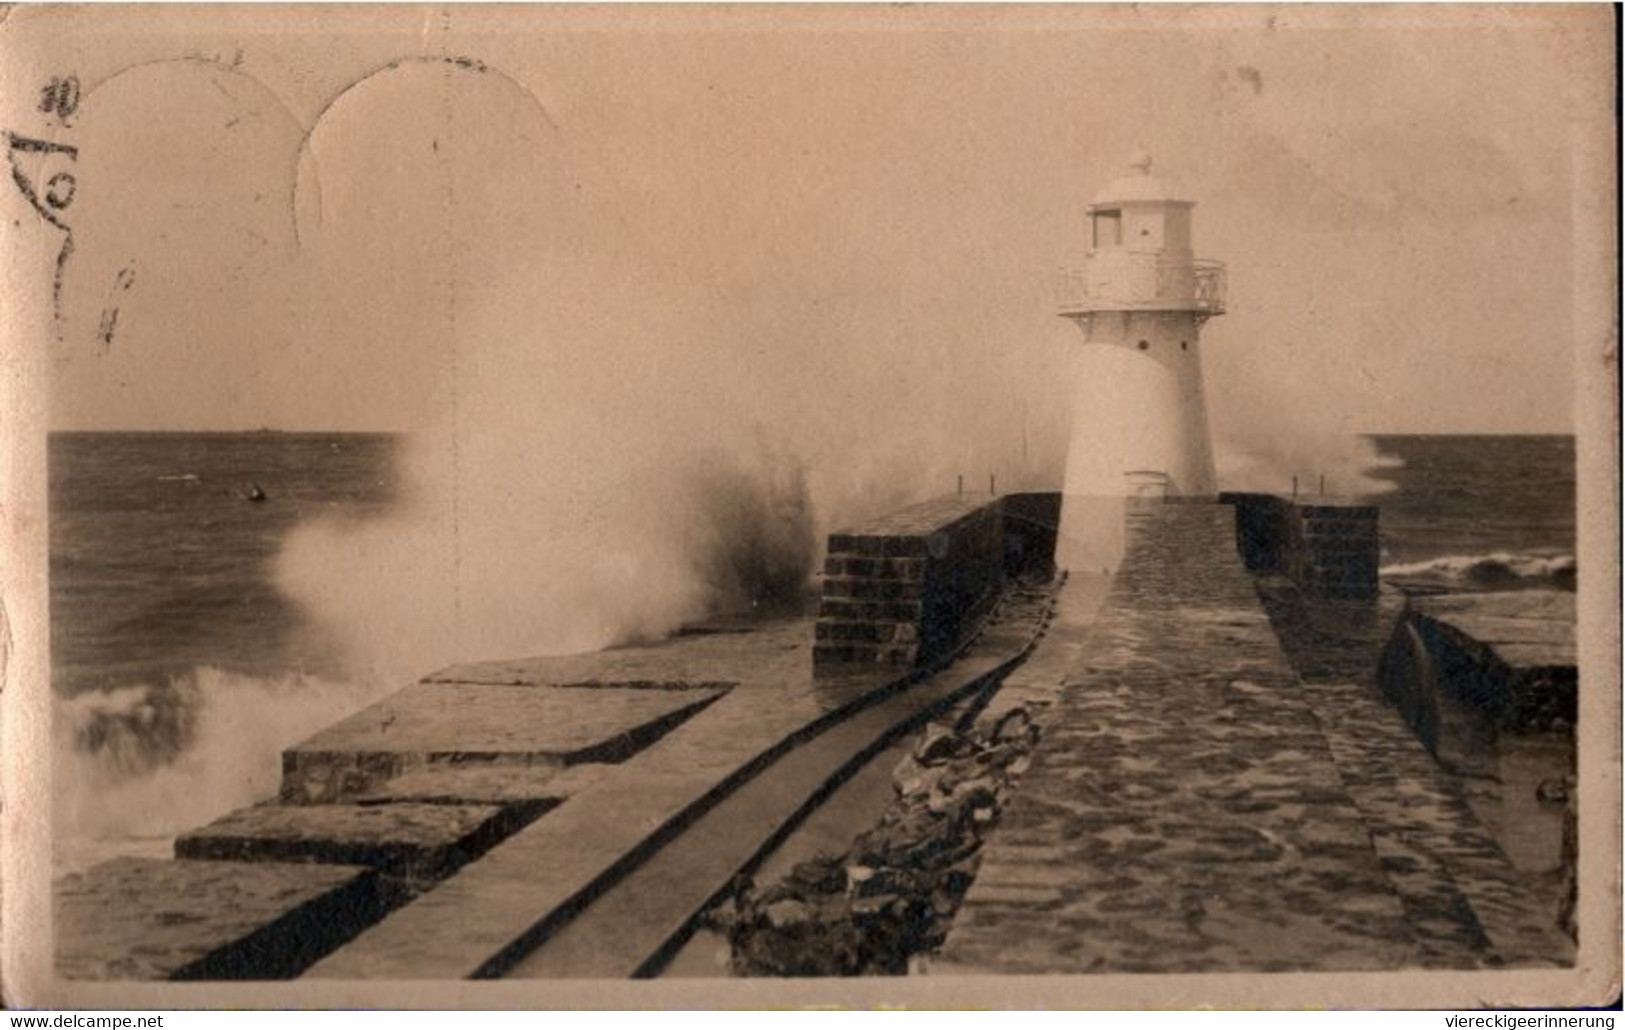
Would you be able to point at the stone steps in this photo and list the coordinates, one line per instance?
(578, 894)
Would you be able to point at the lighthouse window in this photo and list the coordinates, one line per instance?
(1145, 344)
(1108, 228)
(1184, 345)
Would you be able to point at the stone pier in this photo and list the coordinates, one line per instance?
(903, 589)
(1189, 810)
(1205, 797)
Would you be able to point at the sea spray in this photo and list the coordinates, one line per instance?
(628, 549)
(762, 532)
(137, 765)
(1307, 458)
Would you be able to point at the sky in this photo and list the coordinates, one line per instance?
(808, 216)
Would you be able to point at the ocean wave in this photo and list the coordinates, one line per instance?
(137, 765)
(1500, 570)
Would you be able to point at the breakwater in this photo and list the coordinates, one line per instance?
(1196, 804)
(446, 830)
(1198, 800)
(905, 588)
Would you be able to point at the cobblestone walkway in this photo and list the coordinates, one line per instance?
(1193, 807)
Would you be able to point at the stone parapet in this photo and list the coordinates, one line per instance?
(1330, 551)
(905, 589)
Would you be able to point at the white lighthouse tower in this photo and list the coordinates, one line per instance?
(1141, 298)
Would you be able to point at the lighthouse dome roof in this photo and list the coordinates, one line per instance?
(1138, 184)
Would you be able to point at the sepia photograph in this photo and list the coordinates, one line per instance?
(1067, 506)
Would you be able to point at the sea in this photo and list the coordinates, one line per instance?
(180, 670)
(160, 561)
(1477, 512)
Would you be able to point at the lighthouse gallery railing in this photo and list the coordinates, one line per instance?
(1197, 285)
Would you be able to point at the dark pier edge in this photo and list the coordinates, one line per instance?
(1329, 551)
(907, 589)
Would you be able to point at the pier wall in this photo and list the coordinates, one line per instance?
(907, 588)
(1330, 551)
(1031, 524)
(1504, 658)
(1196, 802)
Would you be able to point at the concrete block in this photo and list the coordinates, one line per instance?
(891, 545)
(516, 725)
(870, 611)
(847, 653)
(913, 546)
(911, 569)
(1512, 655)
(870, 589)
(150, 919)
(1348, 548)
(412, 840)
(851, 544)
(865, 632)
(944, 559)
(475, 783)
(1339, 512)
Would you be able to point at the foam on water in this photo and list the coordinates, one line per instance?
(137, 765)
(1500, 570)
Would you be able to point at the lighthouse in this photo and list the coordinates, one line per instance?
(1140, 299)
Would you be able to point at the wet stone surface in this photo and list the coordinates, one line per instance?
(1525, 628)
(418, 841)
(1468, 903)
(508, 722)
(147, 919)
(1195, 806)
(479, 783)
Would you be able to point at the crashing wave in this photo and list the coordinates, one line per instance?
(1501, 570)
(139, 764)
